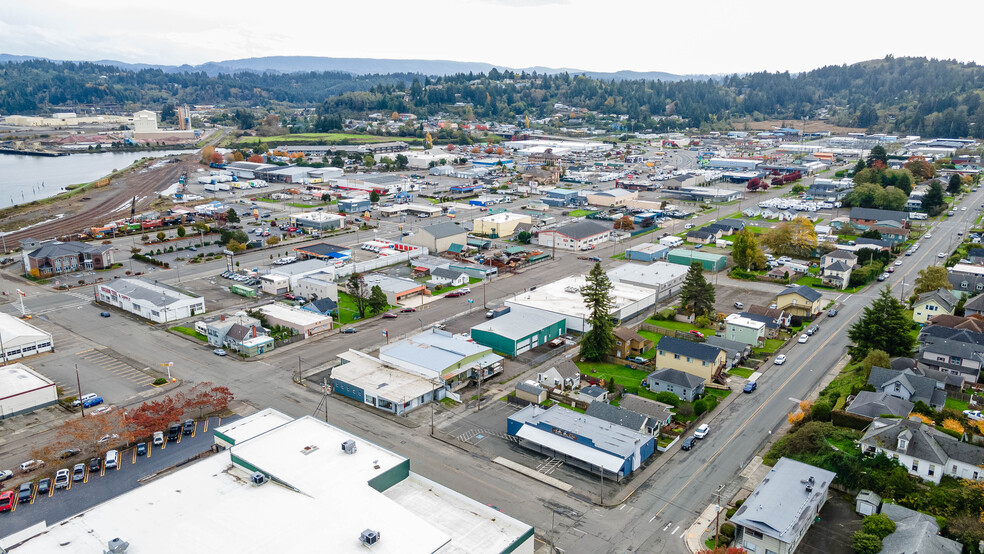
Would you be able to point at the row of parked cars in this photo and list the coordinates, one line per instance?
(64, 476)
(239, 277)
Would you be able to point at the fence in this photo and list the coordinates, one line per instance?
(385, 261)
(670, 332)
(288, 340)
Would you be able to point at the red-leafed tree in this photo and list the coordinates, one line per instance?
(777, 181)
(754, 184)
(489, 150)
(764, 186)
(156, 415)
(216, 158)
(207, 395)
(450, 148)
(256, 158)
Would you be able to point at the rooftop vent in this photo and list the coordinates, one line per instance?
(309, 449)
(349, 446)
(117, 546)
(369, 537)
(257, 478)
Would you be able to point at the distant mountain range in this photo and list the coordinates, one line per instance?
(364, 66)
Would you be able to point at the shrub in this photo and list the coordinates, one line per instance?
(878, 525)
(685, 410)
(700, 407)
(668, 398)
(728, 530)
(820, 411)
(703, 322)
(160, 381)
(866, 543)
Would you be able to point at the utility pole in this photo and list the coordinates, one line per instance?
(298, 370)
(717, 516)
(601, 470)
(78, 383)
(481, 374)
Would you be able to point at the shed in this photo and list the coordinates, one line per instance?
(867, 503)
(531, 391)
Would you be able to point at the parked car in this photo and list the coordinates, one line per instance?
(464, 290)
(112, 459)
(5, 474)
(174, 432)
(158, 438)
(974, 415)
(92, 402)
(6, 501)
(31, 465)
(141, 449)
(832, 312)
(812, 330)
(702, 431)
(289, 296)
(78, 472)
(85, 397)
(219, 352)
(750, 386)
(883, 276)
(696, 333)
(408, 309)
(95, 464)
(61, 478)
(44, 486)
(68, 453)
(189, 427)
(390, 315)
(25, 492)
(739, 305)
(688, 443)
(780, 359)
(454, 294)
(898, 263)
(556, 342)
(349, 330)
(107, 438)
(637, 359)
(803, 338)
(104, 314)
(941, 255)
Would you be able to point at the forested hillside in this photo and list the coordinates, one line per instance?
(896, 95)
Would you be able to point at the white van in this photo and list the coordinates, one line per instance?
(85, 397)
(112, 458)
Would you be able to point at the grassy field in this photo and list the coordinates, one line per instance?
(955, 404)
(627, 377)
(580, 213)
(679, 326)
(741, 372)
(347, 312)
(189, 332)
(653, 337)
(721, 394)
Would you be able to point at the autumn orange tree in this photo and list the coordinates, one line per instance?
(216, 158)
(156, 415)
(207, 154)
(256, 158)
(208, 395)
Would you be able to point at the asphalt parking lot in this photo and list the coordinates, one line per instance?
(98, 487)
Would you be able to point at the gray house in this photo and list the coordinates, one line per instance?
(875, 404)
(779, 512)
(907, 385)
(916, 532)
(621, 416)
(660, 415)
(737, 351)
(685, 385)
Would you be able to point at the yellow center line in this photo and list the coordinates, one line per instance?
(741, 427)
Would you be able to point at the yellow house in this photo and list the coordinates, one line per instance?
(799, 301)
(933, 303)
(696, 358)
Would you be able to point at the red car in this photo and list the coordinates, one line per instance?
(408, 310)
(454, 294)
(696, 333)
(389, 315)
(289, 296)
(6, 501)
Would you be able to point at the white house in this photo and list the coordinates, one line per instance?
(743, 329)
(923, 451)
(565, 375)
(448, 277)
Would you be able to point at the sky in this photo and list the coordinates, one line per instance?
(683, 37)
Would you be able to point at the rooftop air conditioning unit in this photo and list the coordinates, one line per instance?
(257, 478)
(369, 537)
(349, 446)
(117, 546)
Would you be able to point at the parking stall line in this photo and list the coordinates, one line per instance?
(34, 494)
(194, 429)
(14, 507)
(205, 427)
(102, 470)
(84, 351)
(134, 455)
(51, 491)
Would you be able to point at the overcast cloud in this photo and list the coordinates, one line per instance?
(708, 36)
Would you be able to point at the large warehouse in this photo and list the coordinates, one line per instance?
(21, 339)
(520, 330)
(438, 237)
(564, 298)
(23, 390)
(502, 224)
(154, 301)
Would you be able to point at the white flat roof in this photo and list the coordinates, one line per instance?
(254, 425)
(504, 217)
(571, 448)
(519, 323)
(653, 275)
(373, 376)
(317, 216)
(744, 321)
(17, 378)
(327, 496)
(556, 297)
(294, 315)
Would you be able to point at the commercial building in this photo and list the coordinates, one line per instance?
(354, 205)
(581, 440)
(397, 289)
(150, 300)
(612, 198)
(275, 284)
(664, 278)
(317, 268)
(707, 194)
(520, 330)
(21, 339)
(581, 235)
(502, 224)
(216, 329)
(23, 390)
(341, 493)
(648, 252)
(779, 512)
(438, 237)
(52, 257)
(376, 383)
(439, 354)
(317, 285)
(322, 221)
(710, 262)
(563, 297)
(304, 322)
(324, 251)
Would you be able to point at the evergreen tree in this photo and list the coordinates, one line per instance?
(359, 291)
(597, 295)
(953, 187)
(884, 326)
(377, 300)
(697, 294)
(373, 197)
(337, 161)
(878, 154)
(861, 166)
(232, 216)
(933, 203)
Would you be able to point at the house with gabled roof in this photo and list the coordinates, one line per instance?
(785, 319)
(908, 385)
(685, 385)
(54, 257)
(620, 416)
(696, 358)
(580, 235)
(800, 300)
(935, 302)
(870, 405)
(916, 532)
(659, 414)
(630, 343)
(779, 512)
(565, 375)
(921, 449)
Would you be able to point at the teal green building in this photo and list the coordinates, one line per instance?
(520, 330)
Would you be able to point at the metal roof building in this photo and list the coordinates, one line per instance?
(150, 300)
(520, 330)
(291, 476)
(21, 339)
(369, 380)
(580, 439)
(436, 353)
(23, 390)
(563, 297)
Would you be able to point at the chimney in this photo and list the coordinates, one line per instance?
(254, 331)
(222, 317)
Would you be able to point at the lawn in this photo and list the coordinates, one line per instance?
(679, 326)
(721, 394)
(771, 345)
(955, 404)
(627, 377)
(347, 312)
(741, 372)
(815, 282)
(580, 213)
(445, 290)
(755, 230)
(653, 337)
(267, 200)
(189, 332)
(618, 256)
(304, 206)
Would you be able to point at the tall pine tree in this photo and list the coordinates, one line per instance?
(884, 326)
(697, 294)
(597, 295)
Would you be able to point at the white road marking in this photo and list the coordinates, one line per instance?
(667, 526)
(651, 519)
(677, 528)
